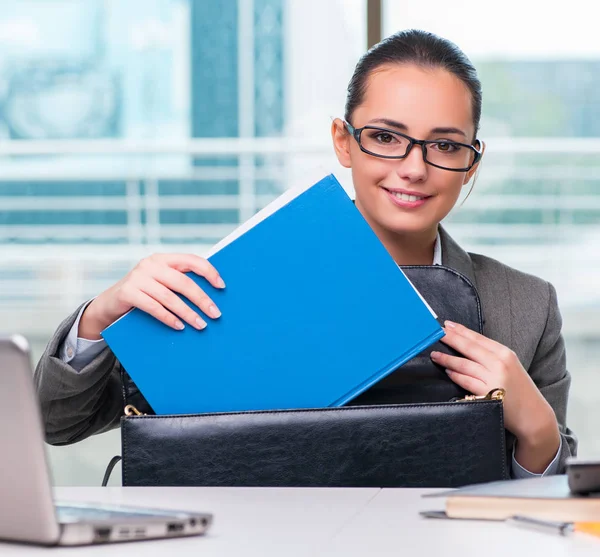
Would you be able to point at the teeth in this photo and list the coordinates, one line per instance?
(406, 197)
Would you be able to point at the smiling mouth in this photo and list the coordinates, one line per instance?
(406, 196)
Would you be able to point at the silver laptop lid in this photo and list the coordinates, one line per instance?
(26, 505)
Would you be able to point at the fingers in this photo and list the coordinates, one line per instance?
(187, 262)
(168, 300)
(457, 330)
(178, 282)
(460, 365)
(467, 374)
(471, 384)
(153, 286)
(487, 352)
(469, 344)
(151, 306)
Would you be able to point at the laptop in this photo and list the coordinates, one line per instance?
(27, 510)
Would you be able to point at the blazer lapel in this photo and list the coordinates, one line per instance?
(455, 257)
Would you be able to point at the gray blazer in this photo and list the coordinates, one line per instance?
(519, 310)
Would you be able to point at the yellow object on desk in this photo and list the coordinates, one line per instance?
(592, 528)
(562, 528)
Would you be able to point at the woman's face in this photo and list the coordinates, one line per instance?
(407, 195)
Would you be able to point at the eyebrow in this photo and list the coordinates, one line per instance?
(403, 127)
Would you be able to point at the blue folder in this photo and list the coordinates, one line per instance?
(315, 311)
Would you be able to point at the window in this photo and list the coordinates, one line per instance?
(146, 125)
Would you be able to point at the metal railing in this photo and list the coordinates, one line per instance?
(48, 266)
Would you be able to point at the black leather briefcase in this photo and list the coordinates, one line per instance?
(437, 436)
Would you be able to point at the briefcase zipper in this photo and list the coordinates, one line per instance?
(494, 394)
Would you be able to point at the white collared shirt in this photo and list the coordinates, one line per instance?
(437, 250)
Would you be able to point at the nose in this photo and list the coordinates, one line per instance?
(413, 168)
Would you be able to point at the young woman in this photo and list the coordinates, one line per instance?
(409, 134)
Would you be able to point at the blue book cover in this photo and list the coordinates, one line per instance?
(315, 311)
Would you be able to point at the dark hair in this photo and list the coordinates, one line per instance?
(422, 49)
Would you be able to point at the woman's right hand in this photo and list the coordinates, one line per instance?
(151, 286)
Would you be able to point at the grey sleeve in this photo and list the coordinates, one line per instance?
(77, 405)
(549, 372)
(79, 352)
(517, 472)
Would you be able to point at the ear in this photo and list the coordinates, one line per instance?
(341, 142)
(471, 172)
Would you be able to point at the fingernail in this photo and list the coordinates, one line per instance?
(200, 324)
(179, 325)
(220, 283)
(449, 372)
(213, 311)
(435, 355)
(450, 324)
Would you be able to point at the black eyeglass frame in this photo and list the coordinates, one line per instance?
(356, 133)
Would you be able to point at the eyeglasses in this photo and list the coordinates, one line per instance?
(388, 144)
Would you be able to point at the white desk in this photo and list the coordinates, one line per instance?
(390, 525)
(290, 522)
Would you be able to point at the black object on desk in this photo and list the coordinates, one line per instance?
(425, 441)
(583, 475)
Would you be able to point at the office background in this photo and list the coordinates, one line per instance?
(150, 125)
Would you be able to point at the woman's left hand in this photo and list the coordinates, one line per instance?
(489, 365)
